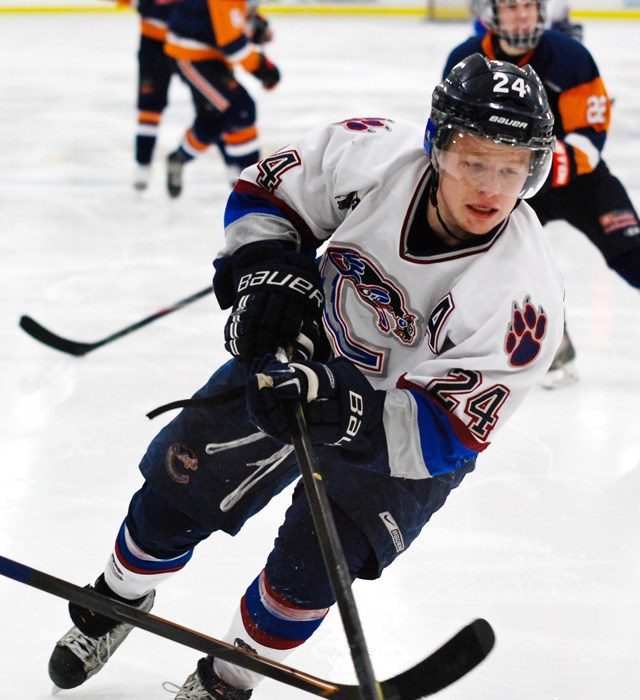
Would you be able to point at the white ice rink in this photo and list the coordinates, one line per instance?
(543, 540)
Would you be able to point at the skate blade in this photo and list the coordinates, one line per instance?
(561, 377)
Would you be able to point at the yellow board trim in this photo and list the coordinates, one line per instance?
(436, 13)
(64, 10)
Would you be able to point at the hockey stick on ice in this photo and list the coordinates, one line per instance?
(463, 652)
(77, 348)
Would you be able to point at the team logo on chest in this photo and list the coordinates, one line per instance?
(347, 270)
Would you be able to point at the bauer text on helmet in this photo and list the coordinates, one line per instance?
(501, 103)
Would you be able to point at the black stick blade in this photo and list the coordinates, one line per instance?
(72, 347)
(40, 333)
(461, 654)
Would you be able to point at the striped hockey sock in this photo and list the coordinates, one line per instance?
(131, 572)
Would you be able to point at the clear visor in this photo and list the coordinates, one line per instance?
(493, 167)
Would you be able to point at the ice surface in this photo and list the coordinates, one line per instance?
(543, 540)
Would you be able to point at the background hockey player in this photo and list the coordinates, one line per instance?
(155, 69)
(580, 190)
(442, 306)
(558, 17)
(208, 39)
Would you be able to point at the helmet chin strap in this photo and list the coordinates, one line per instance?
(433, 198)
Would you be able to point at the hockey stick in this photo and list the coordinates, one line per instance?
(463, 652)
(73, 347)
(329, 540)
(332, 553)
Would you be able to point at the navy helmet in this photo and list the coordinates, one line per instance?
(497, 101)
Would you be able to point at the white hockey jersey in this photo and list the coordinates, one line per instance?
(455, 335)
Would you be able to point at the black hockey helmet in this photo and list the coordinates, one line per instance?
(498, 101)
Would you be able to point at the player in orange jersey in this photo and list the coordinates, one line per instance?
(580, 189)
(208, 39)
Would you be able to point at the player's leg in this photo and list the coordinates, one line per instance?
(220, 101)
(553, 205)
(607, 216)
(376, 517)
(599, 206)
(239, 143)
(285, 603)
(209, 469)
(563, 370)
(154, 542)
(154, 75)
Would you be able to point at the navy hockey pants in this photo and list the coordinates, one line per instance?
(224, 110)
(598, 205)
(209, 469)
(155, 69)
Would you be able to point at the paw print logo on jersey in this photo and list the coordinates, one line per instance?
(365, 124)
(526, 331)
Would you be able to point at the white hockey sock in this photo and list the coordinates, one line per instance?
(131, 572)
(241, 677)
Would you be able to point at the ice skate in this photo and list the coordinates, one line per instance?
(86, 648)
(175, 164)
(142, 177)
(204, 684)
(563, 370)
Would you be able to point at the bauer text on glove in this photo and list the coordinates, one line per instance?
(276, 294)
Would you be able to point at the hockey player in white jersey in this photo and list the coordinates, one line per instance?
(433, 310)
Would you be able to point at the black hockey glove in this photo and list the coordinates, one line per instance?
(341, 407)
(277, 295)
(259, 30)
(267, 73)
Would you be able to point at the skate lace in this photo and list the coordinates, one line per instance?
(191, 690)
(94, 652)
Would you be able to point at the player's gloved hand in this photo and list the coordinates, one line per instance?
(277, 295)
(310, 344)
(259, 31)
(267, 73)
(341, 407)
(561, 166)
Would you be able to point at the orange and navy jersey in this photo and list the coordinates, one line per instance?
(154, 17)
(205, 30)
(576, 92)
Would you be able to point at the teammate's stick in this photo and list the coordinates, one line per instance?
(463, 652)
(77, 348)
